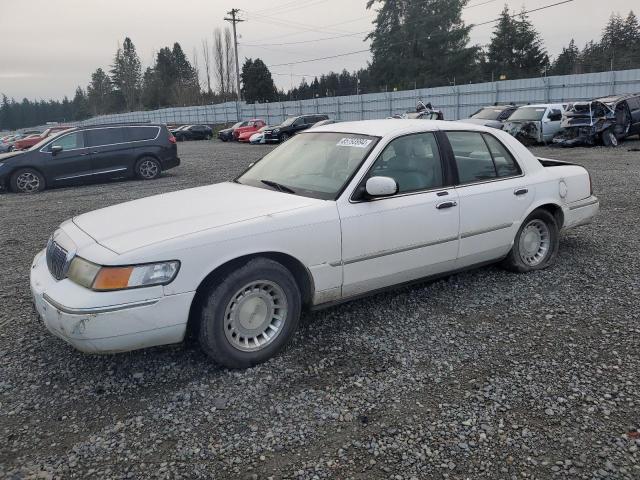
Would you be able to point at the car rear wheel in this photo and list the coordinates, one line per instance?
(536, 244)
(250, 315)
(27, 180)
(148, 168)
(609, 138)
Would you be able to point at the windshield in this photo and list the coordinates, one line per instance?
(288, 121)
(531, 114)
(46, 140)
(314, 164)
(488, 113)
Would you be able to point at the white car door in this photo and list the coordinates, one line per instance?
(413, 234)
(493, 196)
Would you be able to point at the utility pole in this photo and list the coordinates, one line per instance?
(234, 19)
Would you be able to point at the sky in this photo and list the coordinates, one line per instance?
(51, 47)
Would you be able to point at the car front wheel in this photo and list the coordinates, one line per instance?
(27, 180)
(536, 244)
(250, 315)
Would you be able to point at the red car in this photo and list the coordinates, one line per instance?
(252, 127)
(28, 142)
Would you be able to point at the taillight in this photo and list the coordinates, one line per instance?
(172, 139)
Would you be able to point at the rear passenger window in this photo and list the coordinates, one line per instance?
(412, 161)
(472, 157)
(137, 134)
(506, 165)
(105, 136)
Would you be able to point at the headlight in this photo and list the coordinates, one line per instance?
(100, 278)
(276, 131)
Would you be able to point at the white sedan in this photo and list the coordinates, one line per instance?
(337, 212)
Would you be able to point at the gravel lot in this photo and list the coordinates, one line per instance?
(485, 374)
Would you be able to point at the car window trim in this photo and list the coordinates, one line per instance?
(445, 176)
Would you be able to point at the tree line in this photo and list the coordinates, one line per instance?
(414, 44)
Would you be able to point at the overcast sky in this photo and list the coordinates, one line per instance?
(52, 46)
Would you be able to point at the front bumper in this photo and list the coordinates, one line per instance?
(581, 212)
(116, 322)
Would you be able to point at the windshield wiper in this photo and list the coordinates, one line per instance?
(278, 186)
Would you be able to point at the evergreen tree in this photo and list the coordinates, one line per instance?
(516, 49)
(257, 83)
(421, 43)
(568, 62)
(80, 105)
(99, 92)
(126, 74)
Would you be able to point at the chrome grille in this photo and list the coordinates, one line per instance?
(56, 260)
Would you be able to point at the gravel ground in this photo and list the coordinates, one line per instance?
(485, 374)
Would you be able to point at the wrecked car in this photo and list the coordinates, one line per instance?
(533, 124)
(423, 112)
(493, 117)
(606, 120)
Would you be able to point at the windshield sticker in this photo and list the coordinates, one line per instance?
(354, 142)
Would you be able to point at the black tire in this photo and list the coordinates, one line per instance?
(609, 138)
(27, 180)
(284, 137)
(148, 168)
(520, 259)
(217, 325)
(224, 139)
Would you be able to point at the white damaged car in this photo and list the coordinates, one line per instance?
(336, 212)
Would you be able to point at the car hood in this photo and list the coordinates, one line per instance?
(7, 156)
(139, 223)
(481, 121)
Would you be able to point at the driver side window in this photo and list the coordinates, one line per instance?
(71, 141)
(413, 161)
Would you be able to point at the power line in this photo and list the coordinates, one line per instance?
(405, 42)
(353, 34)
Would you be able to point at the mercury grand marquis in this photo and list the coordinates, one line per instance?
(337, 212)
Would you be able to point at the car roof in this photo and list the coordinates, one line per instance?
(395, 127)
(542, 105)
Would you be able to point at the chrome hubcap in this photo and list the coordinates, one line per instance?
(255, 315)
(535, 242)
(148, 169)
(28, 182)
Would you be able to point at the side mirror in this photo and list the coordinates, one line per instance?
(381, 187)
(56, 149)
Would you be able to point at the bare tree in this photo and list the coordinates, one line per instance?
(229, 62)
(220, 63)
(206, 59)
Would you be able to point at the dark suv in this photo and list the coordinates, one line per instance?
(90, 154)
(290, 127)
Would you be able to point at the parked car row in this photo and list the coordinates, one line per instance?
(257, 131)
(605, 121)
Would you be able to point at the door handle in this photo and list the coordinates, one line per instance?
(95, 152)
(84, 154)
(443, 205)
(521, 191)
